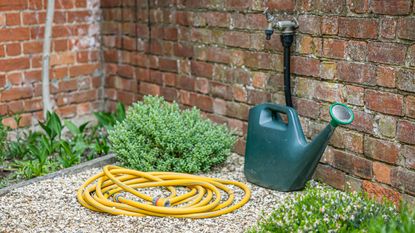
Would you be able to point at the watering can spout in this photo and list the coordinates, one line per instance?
(277, 154)
(340, 115)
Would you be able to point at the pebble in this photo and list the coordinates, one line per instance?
(51, 206)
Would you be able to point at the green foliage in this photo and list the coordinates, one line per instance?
(37, 153)
(157, 135)
(3, 140)
(323, 209)
(404, 222)
(108, 120)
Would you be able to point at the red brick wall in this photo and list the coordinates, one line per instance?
(213, 55)
(75, 72)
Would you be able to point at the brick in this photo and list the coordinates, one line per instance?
(85, 69)
(397, 7)
(388, 28)
(202, 69)
(343, 160)
(358, 6)
(410, 106)
(386, 126)
(411, 55)
(386, 76)
(205, 103)
(328, 70)
(334, 48)
(382, 172)
(13, 5)
(354, 95)
(403, 24)
(346, 139)
(330, 92)
(384, 102)
(362, 167)
(331, 6)
(380, 192)
(237, 39)
(330, 176)
(357, 50)
(409, 155)
(258, 97)
(14, 64)
(381, 150)
(219, 106)
(248, 21)
(16, 93)
(305, 66)
(220, 90)
(262, 60)
(307, 108)
(32, 105)
(14, 34)
(281, 5)
(309, 45)
(310, 24)
(13, 19)
(358, 28)
(13, 49)
(169, 93)
(389, 53)
(239, 93)
(405, 80)
(149, 89)
(237, 110)
(403, 179)
(406, 131)
(238, 4)
(362, 122)
(330, 25)
(356, 73)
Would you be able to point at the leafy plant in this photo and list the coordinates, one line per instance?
(3, 140)
(108, 120)
(323, 209)
(157, 135)
(37, 153)
(404, 222)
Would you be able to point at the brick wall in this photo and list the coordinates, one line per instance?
(75, 72)
(213, 55)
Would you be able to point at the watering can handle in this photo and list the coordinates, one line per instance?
(290, 112)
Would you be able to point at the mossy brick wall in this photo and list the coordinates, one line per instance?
(75, 65)
(213, 55)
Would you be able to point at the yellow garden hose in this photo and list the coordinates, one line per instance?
(203, 199)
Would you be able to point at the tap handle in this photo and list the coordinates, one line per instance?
(268, 15)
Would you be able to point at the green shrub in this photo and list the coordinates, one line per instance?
(323, 209)
(157, 135)
(404, 222)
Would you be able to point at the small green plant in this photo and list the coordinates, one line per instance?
(157, 135)
(37, 153)
(404, 222)
(3, 141)
(323, 209)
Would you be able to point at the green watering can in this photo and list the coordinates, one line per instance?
(277, 154)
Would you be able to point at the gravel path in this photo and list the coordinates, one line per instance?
(51, 206)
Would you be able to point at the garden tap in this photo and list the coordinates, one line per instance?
(287, 27)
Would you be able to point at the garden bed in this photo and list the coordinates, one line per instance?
(51, 206)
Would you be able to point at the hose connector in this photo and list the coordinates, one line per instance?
(158, 201)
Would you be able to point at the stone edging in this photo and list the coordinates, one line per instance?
(98, 162)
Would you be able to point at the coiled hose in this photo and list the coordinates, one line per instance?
(203, 200)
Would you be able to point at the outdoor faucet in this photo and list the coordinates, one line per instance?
(287, 27)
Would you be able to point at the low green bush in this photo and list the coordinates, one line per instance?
(322, 209)
(158, 136)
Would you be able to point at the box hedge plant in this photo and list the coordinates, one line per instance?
(159, 136)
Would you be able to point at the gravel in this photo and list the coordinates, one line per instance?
(51, 206)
